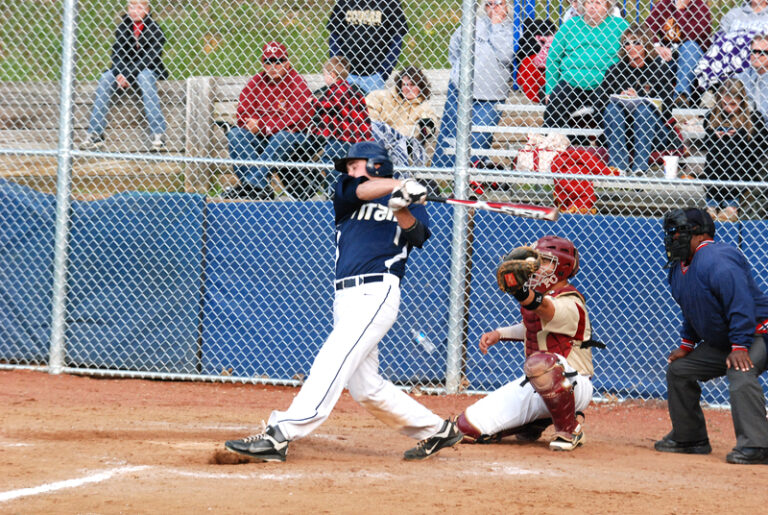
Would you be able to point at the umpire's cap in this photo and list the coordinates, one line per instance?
(379, 164)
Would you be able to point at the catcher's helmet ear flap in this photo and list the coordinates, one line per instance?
(565, 251)
(680, 225)
(378, 162)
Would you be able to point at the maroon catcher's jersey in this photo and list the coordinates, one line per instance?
(565, 332)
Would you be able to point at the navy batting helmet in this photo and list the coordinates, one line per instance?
(379, 164)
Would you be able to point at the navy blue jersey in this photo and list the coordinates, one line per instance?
(368, 239)
(719, 298)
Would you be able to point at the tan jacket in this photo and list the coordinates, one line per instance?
(386, 106)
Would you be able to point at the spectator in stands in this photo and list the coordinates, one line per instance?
(581, 52)
(405, 109)
(737, 148)
(273, 115)
(495, 43)
(532, 57)
(341, 114)
(683, 29)
(136, 62)
(638, 95)
(755, 78)
(729, 52)
(577, 9)
(369, 33)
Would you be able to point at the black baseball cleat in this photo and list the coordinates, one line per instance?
(748, 456)
(270, 445)
(666, 444)
(448, 436)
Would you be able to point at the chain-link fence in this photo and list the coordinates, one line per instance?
(166, 170)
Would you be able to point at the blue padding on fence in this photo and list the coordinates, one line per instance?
(269, 293)
(135, 288)
(26, 273)
(269, 287)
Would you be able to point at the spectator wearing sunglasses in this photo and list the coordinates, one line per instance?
(638, 98)
(755, 78)
(273, 115)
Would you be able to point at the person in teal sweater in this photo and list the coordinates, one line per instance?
(583, 49)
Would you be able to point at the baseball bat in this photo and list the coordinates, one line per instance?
(523, 210)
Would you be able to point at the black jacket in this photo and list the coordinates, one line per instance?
(129, 57)
(656, 80)
(736, 157)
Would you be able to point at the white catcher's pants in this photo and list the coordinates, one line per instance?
(513, 405)
(362, 315)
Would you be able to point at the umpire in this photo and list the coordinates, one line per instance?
(725, 317)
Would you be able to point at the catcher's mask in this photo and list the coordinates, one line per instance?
(559, 260)
(378, 165)
(679, 227)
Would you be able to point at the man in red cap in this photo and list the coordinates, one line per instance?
(273, 114)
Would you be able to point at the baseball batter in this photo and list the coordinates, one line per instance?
(379, 220)
(725, 319)
(558, 366)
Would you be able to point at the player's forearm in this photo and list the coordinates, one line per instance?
(373, 189)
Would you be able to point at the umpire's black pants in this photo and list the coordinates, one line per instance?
(706, 362)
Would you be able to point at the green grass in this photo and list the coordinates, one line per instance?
(217, 37)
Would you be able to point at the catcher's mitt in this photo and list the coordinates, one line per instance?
(516, 268)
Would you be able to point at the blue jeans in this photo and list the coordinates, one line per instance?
(147, 83)
(247, 146)
(367, 83)
(688, 56)
(484, 112)
(645, 122)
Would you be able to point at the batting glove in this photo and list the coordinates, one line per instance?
(416, 191)
(399, 199)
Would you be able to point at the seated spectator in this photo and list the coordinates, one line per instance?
(755, 78)
(532, 57)
(683, 29)
(577, 9)
(405, 109)
(495, 42)
(737, 148)
(581, 52)
(633, 123)
(729, 52)
(272, 119)
(341, 115)
(369, 33)
(136, 61)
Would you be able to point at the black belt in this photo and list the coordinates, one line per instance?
(351, 282)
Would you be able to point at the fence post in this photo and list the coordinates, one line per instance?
(198, 117)
(63, 183)
(458, 277)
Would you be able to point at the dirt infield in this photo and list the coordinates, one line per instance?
(73, 444)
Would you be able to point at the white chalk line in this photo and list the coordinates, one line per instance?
(68, 483)
(488, 469)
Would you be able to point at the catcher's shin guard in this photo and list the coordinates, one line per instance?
(471, 433)
(547, 376)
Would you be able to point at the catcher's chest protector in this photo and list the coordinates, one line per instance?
(557, 343)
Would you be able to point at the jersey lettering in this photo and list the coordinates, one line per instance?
(363, 17)
(375, 212)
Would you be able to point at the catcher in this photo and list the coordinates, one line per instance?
(558, 365)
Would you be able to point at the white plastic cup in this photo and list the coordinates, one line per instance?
(671, 164)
